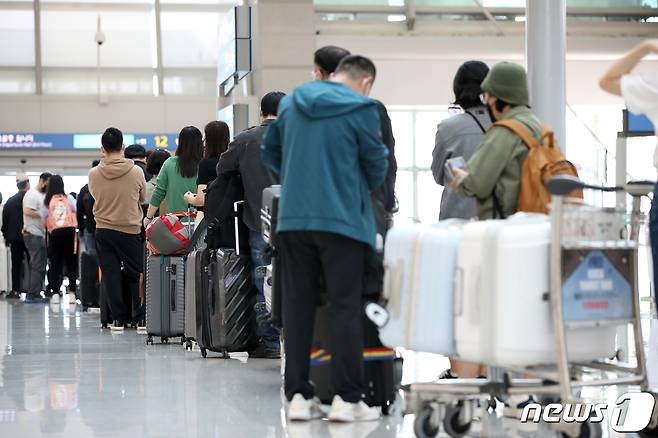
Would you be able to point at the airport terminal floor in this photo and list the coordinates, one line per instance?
(62, 376)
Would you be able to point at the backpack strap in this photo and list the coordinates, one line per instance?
(519, 129)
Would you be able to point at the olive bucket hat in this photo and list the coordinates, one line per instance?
(508, 82)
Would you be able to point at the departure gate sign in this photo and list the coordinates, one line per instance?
(41, 141)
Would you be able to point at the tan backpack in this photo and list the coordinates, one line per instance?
(544, 161)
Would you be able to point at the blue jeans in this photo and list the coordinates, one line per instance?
(268, 333)
(653, 237)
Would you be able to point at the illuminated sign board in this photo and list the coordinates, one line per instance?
(637, 125)
(234, 59)
(12, 140)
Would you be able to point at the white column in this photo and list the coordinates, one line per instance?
(283, 33)
(546, 46)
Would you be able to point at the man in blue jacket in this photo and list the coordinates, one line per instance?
(327, 149)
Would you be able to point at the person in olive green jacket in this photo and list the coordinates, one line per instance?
(493, 174)
(178, 175)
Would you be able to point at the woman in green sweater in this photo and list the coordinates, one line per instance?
(178, 174)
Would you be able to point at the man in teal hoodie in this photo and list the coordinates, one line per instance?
(327, 149)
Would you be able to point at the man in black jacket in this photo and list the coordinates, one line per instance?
(85, 215)
(384, 203)
(137, 153)
(12, 231)
(325, 61)
(243, 155)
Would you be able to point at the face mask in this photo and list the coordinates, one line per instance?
(491, 113)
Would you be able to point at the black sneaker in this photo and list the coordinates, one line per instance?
(117, 327)
(447, 374)
(261, 351)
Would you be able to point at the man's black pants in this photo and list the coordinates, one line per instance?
(18, 253)
(306, 258)
(115, 248)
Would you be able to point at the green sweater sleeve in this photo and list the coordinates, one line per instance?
(487, 164)
(162, 183)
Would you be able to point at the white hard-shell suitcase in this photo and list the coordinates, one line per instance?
(502, 305)
(5, 268)
(419, 282)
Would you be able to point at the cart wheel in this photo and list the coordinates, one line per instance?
(652, 429)
(425, 425)
(204, 353)
(649, 432)
(589, 430)
(149, 340)
(452, 423)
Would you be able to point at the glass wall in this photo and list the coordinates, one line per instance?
(591, 139)
(128, 57)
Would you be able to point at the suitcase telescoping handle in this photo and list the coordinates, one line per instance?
(236, 224)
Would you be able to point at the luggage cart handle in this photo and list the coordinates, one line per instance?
(236, 225)
(565, 184)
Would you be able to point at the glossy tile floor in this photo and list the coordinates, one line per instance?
(62, 376)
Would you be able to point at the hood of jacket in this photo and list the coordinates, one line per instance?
(113, 168)
(324, 99)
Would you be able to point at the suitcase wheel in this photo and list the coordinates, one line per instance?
(426, 424)
(182, 340)
(188, 344)
(225, 355)
(104, 325)
(149, 340)
(204, 353)
(164, 340)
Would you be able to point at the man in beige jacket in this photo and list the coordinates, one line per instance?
(119, 189)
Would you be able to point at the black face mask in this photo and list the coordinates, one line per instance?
(491, 114)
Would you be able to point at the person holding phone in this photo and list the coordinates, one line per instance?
(458, 137)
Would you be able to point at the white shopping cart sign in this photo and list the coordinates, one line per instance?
(631, 412)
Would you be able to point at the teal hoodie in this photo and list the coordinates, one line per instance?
(327, 149)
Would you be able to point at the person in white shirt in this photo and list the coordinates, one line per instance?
(34, 235)
(640, 91)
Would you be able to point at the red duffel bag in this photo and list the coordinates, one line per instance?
(167, 235)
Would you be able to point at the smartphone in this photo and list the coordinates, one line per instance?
(454, 163)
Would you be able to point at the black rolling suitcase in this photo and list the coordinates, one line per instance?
(268, 216)
(226, 301)
(89, 282)
(382, 366)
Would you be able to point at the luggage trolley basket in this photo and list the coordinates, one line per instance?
(593, 284)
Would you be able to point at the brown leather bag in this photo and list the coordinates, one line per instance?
(544, 161)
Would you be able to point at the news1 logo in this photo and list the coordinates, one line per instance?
(631, 412)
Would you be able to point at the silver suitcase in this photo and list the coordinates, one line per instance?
(165, 297)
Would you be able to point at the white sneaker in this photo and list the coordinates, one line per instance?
(54, 299)
(345, 412)
(300, 409)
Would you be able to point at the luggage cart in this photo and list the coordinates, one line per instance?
(582, 237)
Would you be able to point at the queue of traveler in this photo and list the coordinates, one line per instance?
(331, 149)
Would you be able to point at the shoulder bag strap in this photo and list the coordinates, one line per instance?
(476, 120)
(519, 129)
